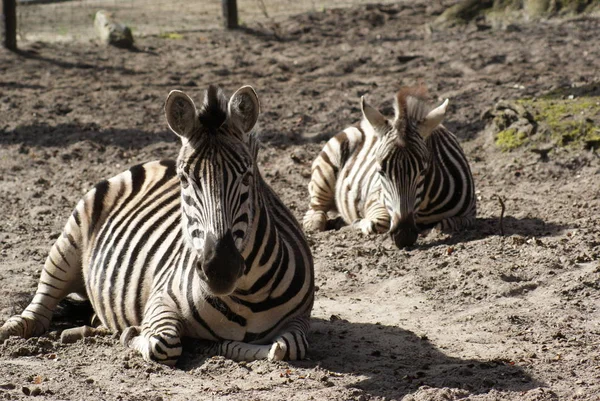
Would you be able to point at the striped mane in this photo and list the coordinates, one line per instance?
(411, 104)
(213, 112)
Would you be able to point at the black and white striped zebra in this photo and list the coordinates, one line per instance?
(399, 175)
(201, 247)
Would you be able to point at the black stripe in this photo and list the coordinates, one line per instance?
(100, 194)
(222, 307)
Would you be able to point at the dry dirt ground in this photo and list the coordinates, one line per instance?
(476, 315)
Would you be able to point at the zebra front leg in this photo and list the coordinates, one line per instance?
(159, 337)
(376, 220)
(454, 224)
(61, 276)
(321, 189)
(162, 347)
(290, 346)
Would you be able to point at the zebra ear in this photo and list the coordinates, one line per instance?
(243, 108)
(181, 114)
(374, 117)
(433, 119)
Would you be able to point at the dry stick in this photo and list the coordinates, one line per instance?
(501, 213)
(263, 8)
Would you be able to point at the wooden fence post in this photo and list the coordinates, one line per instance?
(230, 14)
(9, 13)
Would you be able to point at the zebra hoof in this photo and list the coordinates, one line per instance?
(277, 352)
(314, 221)
(20, 326)
(367, 227)
(129, 334)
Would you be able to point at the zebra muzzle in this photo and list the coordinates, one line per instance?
(222, 264)
(404, 238)
(405, 232)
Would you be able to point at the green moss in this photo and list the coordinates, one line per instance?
(510, 139)
(170, 35)
(565, 122)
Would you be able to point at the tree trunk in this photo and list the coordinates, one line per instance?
(9, 13)
(230, 14)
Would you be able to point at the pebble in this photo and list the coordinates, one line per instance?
(8, 386)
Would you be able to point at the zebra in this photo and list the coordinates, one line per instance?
(400, 175)
(199, 247)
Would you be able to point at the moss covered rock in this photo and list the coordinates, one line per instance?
(532, 122)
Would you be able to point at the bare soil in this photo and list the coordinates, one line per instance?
(477, 315)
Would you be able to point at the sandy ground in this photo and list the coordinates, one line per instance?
(476, 315)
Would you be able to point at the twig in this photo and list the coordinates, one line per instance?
(263, 7)
(501, 213)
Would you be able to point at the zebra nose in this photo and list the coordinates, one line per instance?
(404, 231)
(402, 223)
(222, 263)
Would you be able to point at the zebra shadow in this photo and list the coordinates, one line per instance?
(492, 226)
(387, 361)
(396, 362)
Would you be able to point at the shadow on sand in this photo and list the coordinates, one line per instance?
(391, 362)
(44, 135)
(487, 227)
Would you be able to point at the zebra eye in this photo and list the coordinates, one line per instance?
(381, 173)
(246, 178)
(183, 180)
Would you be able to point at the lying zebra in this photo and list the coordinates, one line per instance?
(399, 176)
(200, 247)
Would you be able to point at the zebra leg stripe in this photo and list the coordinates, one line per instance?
(290, 346)
(61, 276)
(376, 221)
(163, 347)
(315, 220)
(322, 194)
(457, 223)
(159, 338)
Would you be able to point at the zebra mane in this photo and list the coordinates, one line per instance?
(213, 112)
(411, 104)
(254, 144)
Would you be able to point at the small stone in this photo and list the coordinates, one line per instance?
(8, 386)
(89, 380)
(111, 32)
(36, 391)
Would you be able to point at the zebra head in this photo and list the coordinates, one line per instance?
(402, 158)
(217, 169)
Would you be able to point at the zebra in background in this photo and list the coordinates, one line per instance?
(399, 176)
(199, 247)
